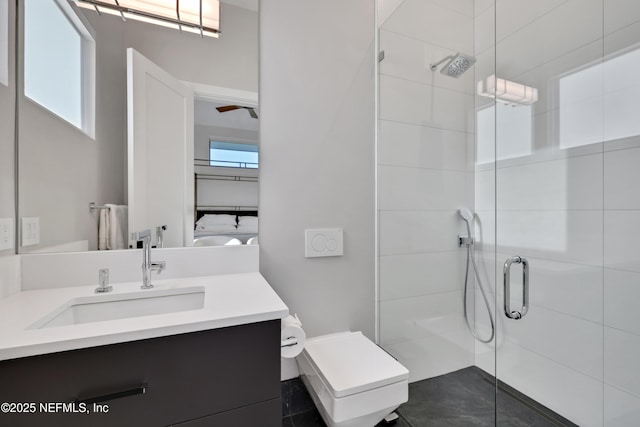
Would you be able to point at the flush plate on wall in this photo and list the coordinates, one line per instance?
(321, 242)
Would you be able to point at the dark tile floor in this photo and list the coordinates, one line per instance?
(464, 398)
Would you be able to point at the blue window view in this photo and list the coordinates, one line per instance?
(233, 155)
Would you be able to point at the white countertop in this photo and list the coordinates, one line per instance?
(230, 299)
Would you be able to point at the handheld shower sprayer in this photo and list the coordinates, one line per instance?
(467, 216)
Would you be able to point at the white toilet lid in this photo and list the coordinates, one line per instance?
(350, 363)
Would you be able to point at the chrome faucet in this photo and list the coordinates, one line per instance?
(147, 265)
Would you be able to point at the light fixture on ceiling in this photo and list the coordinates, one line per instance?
(507, 92)
(194, 16)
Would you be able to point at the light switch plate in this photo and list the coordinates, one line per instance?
(321, 242)
(30, 231)
(6, 233)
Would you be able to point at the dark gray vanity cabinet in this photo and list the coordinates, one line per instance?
(220, 377)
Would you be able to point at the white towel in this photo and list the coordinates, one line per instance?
(103, 230)
(112, 231)
(118, 223)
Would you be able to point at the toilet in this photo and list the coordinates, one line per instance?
(352, 381)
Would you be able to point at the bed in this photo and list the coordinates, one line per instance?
(234, 223)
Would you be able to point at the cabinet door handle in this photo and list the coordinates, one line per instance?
(116, 395)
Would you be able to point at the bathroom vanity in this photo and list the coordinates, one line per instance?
(218, 365)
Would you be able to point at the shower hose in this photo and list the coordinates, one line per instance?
(474, 332)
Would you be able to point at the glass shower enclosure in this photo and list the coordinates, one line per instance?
(524, 118)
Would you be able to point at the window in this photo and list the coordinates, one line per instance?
(59, 61)
(514, 132)
(600, 102)
(233, 155)
(580, 107)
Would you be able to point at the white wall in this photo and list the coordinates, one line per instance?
(425, 174)
(231, 192)
(9, 262)
(203, 134)
(571, 211)
(317, 158)
(87, 170)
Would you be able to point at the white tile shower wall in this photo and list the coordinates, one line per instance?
(420, 274)
(430, 22)
(621, 296)
(386, 9)
(621, 286)
(622, 352)
(621, 409)
(546, 36)
(570, 236)
(559, 388)
(621, 179)
(424, 147)
(431, 322)
(425, 173)
(431, 189)
(415, 103)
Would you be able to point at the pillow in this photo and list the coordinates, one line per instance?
(217, 219)
(248, 220)
(248, 229)
(226, 228)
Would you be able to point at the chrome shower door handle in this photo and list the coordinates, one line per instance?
(506, 271)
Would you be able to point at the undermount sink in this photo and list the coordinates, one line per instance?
(101, 308)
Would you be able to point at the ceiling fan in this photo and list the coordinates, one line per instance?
(225, 108)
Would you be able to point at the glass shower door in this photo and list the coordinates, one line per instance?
(549, 211)
(425, 176)
(566, 200)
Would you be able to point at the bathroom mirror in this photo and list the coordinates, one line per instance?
(73, 117)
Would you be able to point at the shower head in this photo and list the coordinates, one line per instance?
(457, 65)
(466, 214)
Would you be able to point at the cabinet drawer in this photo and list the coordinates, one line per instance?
(183, 377)
(263, 414)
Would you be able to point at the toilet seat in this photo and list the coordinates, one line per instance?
(350, 363)
(351, 380)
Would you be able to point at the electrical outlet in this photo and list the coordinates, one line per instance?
(30, 231)
(6, 233)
